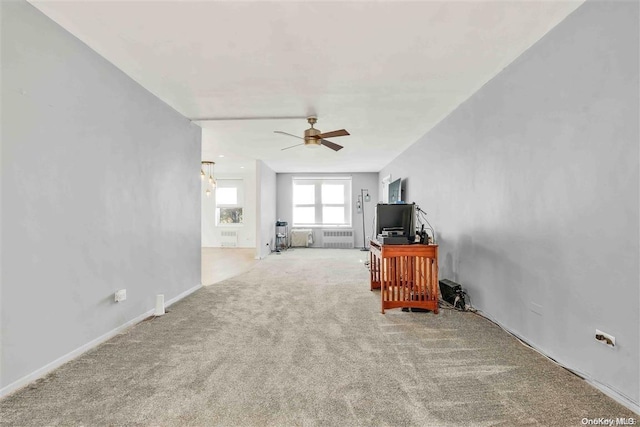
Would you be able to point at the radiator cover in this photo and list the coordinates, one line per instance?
(338, 239)
(229, 238)
(301, 237)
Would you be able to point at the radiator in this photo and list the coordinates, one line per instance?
(229, 238)
(301, 237)
(341, 239)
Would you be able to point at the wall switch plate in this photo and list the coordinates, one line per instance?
(605, 338)
(121, 295)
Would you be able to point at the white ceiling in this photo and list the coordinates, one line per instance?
(387, 71)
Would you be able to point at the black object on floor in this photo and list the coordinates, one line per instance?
(449, 290)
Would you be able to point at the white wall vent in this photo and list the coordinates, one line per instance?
(229, 238)
(338, 239)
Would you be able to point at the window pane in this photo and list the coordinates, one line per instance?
(230, 216)
(304, 194)
(332, 194)
(333, 215)
(226, 196)
(306, 215)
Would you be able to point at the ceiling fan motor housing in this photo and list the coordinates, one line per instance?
(314, 137)
(310, 137)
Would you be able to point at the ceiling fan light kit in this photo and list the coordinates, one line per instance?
(314, 137)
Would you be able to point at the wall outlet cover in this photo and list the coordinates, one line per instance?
(605, 338)
(121, 295)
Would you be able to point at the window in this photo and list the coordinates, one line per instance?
(321, 202)
(229, 202)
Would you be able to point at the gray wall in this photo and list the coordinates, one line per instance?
(358, 181)
(266, 223)
(533, 187)
(100, 191)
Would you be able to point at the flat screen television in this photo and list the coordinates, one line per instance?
(395, 191)
(399, 215)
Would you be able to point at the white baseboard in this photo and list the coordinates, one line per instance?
(612, 393)
(615, 395)
(182, 295)
(39, 373)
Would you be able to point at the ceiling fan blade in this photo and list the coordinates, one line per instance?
(285, 133)
(332, 145)
(297, 145)
(334, 133)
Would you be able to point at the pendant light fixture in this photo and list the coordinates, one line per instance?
(206, 172)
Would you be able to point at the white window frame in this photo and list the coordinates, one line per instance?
(238, 184)
(318, 205)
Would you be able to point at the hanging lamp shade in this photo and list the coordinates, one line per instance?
(207, 171)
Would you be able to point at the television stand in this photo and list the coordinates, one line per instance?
(407, 275)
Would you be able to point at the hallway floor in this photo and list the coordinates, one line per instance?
(223, 263)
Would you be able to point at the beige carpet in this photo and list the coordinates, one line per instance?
(299, 340)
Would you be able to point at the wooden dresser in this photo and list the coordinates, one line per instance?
(407, 275)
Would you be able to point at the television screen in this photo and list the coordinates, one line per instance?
(395, 191)
(396, 216)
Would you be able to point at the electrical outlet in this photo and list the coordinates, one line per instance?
(121, 295)
(606, 339)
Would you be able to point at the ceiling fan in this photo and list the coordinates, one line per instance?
(314, 137)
